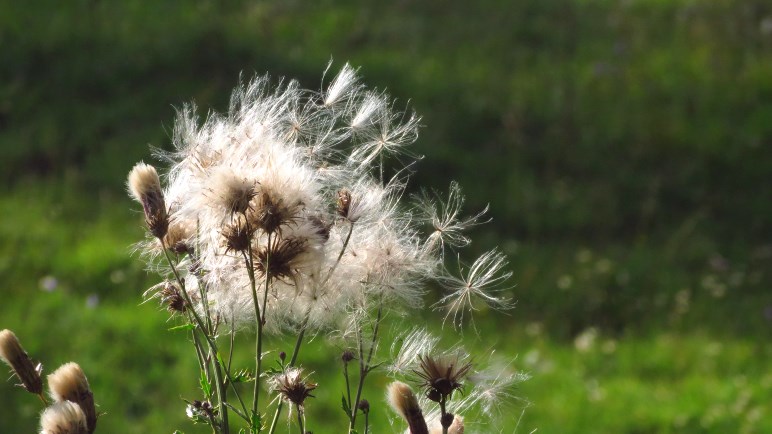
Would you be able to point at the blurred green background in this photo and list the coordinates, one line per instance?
(625, 148)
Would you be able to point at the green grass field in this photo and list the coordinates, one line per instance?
(625, 149)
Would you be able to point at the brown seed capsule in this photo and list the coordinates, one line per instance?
(25, 369)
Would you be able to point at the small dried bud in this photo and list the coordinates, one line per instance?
(456, 427)
(403, 401)
(63, 418)
(206, 406)
(446, 420)
(344, 203)
(14, 355)
(69, 383)
(364, 406)
(347, 356)
(145, 187)
(282, 356)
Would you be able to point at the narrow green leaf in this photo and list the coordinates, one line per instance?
(205, 386)
(182, 327)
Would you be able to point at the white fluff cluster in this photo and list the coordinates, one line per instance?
(299, 175)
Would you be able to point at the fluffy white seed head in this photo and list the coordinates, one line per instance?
(292, 183)
(69, 383)
(63, 417)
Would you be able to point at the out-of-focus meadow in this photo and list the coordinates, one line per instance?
(625, 148)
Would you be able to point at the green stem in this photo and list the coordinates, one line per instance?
(443, 412)
(300, 420)
(221, 393)
(364, 366)
(249, 260)
(340, 255)
(293, 360)
(348, 387)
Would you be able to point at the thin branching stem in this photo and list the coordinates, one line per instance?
(364, 365)
(221, 392)
(293, 360)
(348, 388)
(301, 418)
(340, 255)
(249, 261)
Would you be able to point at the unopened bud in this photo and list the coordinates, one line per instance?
(25, 369)
(347, 356)
(364, 405)
(145, 187)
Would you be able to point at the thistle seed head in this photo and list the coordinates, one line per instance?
(64, 417)
(25, 369)
(232, 192)
(69, 383)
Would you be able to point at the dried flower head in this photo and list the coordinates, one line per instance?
(179, 238)
(442, 375)
(25, 369)
(69, 383)
(403, 401)
(282, 258)
(145, 187)
(271, 211)
(292, 386)
(64, 417)
(231, 192)
(238, 235)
